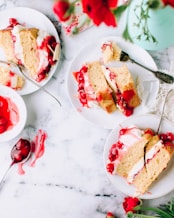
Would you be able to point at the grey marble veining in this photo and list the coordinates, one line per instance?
(69, 180)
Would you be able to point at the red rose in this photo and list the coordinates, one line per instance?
(109, 215)
(168, 2)
(130, 203)
(100, 11)
(61, 8)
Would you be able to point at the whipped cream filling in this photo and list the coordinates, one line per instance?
(140, 164)
(17, 44)
(109, 78)
(90, 94)
(43, 55)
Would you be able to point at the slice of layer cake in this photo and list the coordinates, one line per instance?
(110, 52)
(157, 156)
(32, 48)
(121, 81)
(93, 87)
(140, 156)
(11, 79)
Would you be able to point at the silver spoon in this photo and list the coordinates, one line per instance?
(160, 121)
(164, 104)
(159, 74)
(20, 153)
(28, 78)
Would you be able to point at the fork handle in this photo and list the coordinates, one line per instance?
(160, 75)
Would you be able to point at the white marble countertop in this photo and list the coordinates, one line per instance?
(69, 180)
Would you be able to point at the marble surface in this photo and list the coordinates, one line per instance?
(69, 180)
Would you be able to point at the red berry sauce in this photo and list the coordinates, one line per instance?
(9, 114)
(48, 45)
(122, 102)
(20, 151)
(37, 150)
(79, 76)
(167, 138)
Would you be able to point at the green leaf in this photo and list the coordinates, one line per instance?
(126, 34)
(119, 10)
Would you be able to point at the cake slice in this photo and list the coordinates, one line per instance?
(36, 50)
(127, 151)
(110, 52)
(93, 87)
(11, 79)
(121, 81)
(158, 155)
(140, 156)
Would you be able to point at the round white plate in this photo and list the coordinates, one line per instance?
(164, 184)
(32, 18)
(19, 102)
(147, 88)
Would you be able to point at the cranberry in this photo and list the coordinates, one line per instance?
(127, 95)
(113, 154)
(149, 131)
(170, 136)
(128, 112)
(120, 145)
(123, 131)
(110, 167)
(13, 22)
(168, 143)
(163, 137)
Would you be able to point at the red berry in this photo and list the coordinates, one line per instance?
(170, 136)
(168, 143)
(109, 215)
(119, 145)
(128, 112)
(163, 137)
(112, 156)
(123, 131)
(149, 131)
(110, 167)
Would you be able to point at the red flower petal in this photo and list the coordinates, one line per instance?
(112, 3)
(168, 2)
(60, 9)
(130, 203)
(99, 11)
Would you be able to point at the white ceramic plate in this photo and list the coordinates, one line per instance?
(19, 102)
(147, 88)
(32, 18)
(164, 184)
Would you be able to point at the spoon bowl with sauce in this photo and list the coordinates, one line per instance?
(20, 153)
